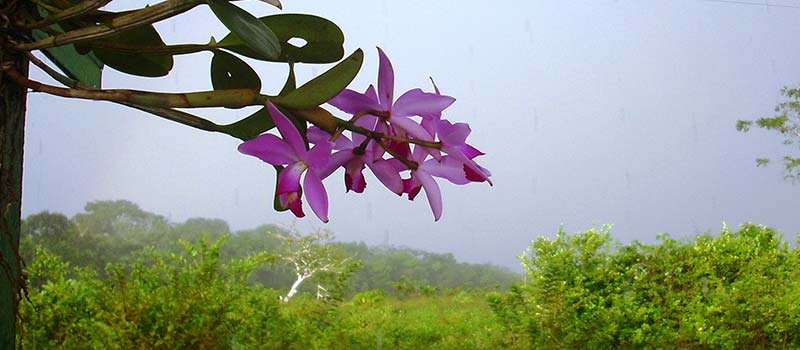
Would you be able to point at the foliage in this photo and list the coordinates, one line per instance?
(787, 123)
(737, 290)
(457, 321)
(118, 231)
(192, 300)
(80, 38)
(181, 301)
(388, 268)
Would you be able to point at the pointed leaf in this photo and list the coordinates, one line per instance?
(275, 3)
(250, 127)
(324, 87)
(252, 32)
(145, 65)
(87, 69)
(291, 81)
(229, 72)
(324, 39)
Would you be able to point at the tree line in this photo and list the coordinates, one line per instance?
(119, 231)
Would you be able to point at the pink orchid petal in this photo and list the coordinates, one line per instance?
(431, 125)
(371, 93)
(418, 102)
(388, 175)
(318, 157)
(477, 173)
(397, 165)
(316, 135)
(385, 80)
(353, 102)
(289, 178)
(337, 160)
(448, 168)
(471, 152)
(287, 130)
(432, 192)
(411, 187)
(316, 195)
(453, 134)
(419, 154)
(293, 202)
(354, 176)
(269, 148)
(412, 128)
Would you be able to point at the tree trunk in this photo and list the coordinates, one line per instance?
(295, 285)
(12, 126)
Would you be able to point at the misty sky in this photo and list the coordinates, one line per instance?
(590, 112)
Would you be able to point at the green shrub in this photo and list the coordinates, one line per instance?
(733, 291)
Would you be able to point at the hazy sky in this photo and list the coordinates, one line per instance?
(590, 112)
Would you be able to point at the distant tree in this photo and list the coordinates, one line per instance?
(117, 218)
(311, 256)
(54, 231)
(787, 123)
(48, 225)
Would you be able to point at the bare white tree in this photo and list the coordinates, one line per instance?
(309, 256)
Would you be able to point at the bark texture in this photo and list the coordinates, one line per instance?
(12, 126)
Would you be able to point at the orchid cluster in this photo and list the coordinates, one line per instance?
(404, 142)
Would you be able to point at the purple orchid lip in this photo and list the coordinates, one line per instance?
(411, 132)
(290, 151)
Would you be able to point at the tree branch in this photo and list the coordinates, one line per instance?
(147, 15)
(164, 50)
(77, 10)
(169, 114)
(233, 98)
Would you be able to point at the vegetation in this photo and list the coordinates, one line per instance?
(787, 123)
(119, 231)
(738, 290)
(222, 290)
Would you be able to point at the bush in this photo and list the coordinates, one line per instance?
(737, 290)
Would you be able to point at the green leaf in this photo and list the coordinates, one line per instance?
(87, 69)
(324, 87)
(252, 32)
(229, 72)
(324, 39)
(250, 127)
(275, 3)
(291, 81)
(145, 65)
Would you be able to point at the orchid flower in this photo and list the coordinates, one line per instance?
(355, 158)
(290, 151)
(453, 137)
(396, 113)
(447, 167)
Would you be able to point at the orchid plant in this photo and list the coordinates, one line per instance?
(405, 142)
(385, 137)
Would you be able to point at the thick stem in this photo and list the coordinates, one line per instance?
(233, 98)
(12, 124)
(144, 16)
(74, 11)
